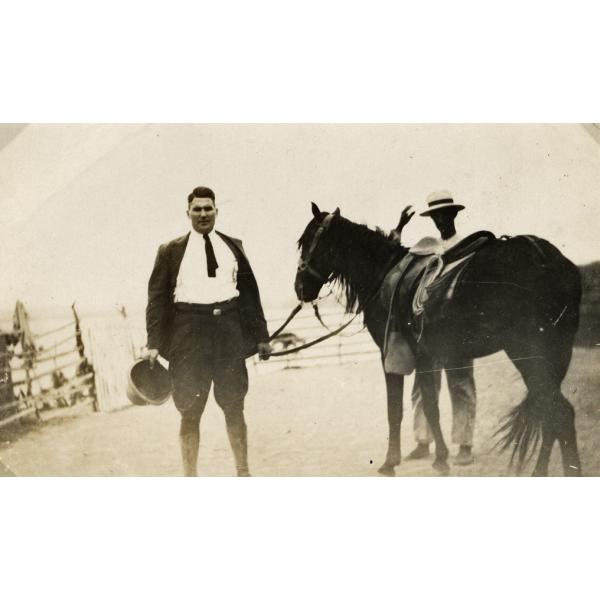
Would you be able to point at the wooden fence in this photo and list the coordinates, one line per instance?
(40, 372)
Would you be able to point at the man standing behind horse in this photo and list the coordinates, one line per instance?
(204, 316)
(461, 383)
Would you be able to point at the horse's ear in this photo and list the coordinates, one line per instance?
(336, 212)
(315, 211)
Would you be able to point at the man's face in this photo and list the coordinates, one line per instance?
(202, 213)
(444, 218)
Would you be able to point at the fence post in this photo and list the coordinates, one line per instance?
(95, 382)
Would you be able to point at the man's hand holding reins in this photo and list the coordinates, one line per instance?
(264, 350)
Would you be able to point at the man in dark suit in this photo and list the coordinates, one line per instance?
(205, 317)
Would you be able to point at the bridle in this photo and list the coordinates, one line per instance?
(305, 266)
(304, 263)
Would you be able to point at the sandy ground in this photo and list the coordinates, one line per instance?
(319, 421)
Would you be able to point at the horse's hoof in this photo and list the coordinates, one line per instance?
(573, 471)
(441, 466)
(386, 470)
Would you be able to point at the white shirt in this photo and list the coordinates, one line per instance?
(193, 283)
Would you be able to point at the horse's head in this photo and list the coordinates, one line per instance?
(316, 255)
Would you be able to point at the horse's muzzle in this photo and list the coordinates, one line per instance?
(304, 291)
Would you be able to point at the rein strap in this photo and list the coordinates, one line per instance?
(318, 340)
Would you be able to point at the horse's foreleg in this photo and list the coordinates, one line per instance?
(432, 413)
(395, 390)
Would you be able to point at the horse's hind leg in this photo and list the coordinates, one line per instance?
(567, 437)
(395, 391)
(560, 418)
(548, 439)
(559, 424)
(431, 409)
(561, 352)
(545, 408)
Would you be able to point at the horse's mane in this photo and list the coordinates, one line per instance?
(358, 254)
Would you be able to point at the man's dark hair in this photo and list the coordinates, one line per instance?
(201, 192)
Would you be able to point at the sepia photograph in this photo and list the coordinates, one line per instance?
(299, 300)
(283, 300)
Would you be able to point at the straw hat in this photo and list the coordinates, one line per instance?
(439, 200)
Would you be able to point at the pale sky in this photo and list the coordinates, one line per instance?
(84, 207)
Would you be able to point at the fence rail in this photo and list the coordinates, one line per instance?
(70, 325)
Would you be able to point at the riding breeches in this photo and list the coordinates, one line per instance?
(207, 350)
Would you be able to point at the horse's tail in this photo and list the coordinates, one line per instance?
(521, 430)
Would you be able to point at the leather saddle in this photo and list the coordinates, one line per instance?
(416, 292)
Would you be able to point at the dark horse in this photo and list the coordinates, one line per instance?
(516, 295)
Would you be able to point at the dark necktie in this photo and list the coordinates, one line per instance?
(211, 259)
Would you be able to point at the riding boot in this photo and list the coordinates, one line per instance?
(464, 456)
(238, 439)
(190, 442)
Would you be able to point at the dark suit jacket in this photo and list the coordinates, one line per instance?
(161, 308)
